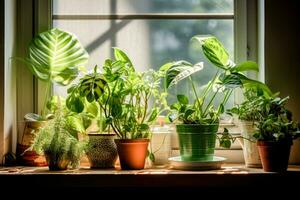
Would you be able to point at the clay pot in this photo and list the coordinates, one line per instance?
(56, 162)
(30, 158)
(274, 155)
(101, 150)
(132, 152)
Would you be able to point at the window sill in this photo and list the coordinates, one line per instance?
(231, 175)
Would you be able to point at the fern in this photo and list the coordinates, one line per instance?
(57, 141)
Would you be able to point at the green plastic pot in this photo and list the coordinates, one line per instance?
(197, 142)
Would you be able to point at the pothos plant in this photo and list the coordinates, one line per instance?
(275, 122)
(228, 76)
(54, 56)
(249, 109)
(129, 101)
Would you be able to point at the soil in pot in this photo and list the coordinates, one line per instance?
(132, 153)
(274, 155)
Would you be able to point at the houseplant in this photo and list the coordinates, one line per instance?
(248, 113)
(200, 118)
(275, 133)
(124, 97)
(54, 56)
(58, 143)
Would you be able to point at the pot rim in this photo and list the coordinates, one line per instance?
(141, 140)
(95, 133)
(270, 143)
(216, 124)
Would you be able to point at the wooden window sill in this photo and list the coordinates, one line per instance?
(231, 175)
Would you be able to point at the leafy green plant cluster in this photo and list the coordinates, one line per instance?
(129, 101)
(275, 121)
(57, 141)
(249, 109)
(228, 77)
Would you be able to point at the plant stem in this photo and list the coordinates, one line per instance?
(47, 91)
(203, 95)
(210, 102)
(195, 92)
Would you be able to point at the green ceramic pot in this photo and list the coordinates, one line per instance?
(197, 142)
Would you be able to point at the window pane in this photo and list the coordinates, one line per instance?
(150, 43)
(141, 6)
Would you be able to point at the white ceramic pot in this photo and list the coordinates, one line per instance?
(250, 149)
(161, 147)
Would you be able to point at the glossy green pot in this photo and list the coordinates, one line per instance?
(197, 142)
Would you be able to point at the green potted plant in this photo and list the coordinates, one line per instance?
(58, 142)
(200, 117)
(275, 133)
(248, 114)
(54, 56)
(129, 102)
(101, 148)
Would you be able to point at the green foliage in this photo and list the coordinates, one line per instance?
(275, 121)
(55, 56)
(228, 77)
(56, 140)
(129, 101)
(250, 108)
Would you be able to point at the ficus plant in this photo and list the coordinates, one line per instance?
(54, 56)
(129, 101)
(229, 75)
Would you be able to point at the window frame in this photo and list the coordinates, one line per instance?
(42, 20)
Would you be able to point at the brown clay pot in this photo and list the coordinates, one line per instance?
(30, 158)
(132, 152)
(274, 155)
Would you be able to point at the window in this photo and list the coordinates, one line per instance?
(152, 32)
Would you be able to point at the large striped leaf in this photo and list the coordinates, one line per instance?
(214, 51)
(55, 56)
(179, 71)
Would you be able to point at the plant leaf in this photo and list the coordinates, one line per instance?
(121, 55)
(246, 66)
(179, 71)
(214, 51)
(57, 55)
(182, 99)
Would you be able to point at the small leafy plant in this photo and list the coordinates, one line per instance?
(129, 101)
(54, 56)
(275, 121)
(250, 108)
(57, 141)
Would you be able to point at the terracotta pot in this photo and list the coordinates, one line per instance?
(30, 158)
(274, 155)
(101, 150)
(132, 153)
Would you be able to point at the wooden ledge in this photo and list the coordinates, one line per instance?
(229, 176)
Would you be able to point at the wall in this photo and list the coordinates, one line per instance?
(8, 78)
(282, 57)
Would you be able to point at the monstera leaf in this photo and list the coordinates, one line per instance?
(180, 70)
(55, 56)
(214, 51)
